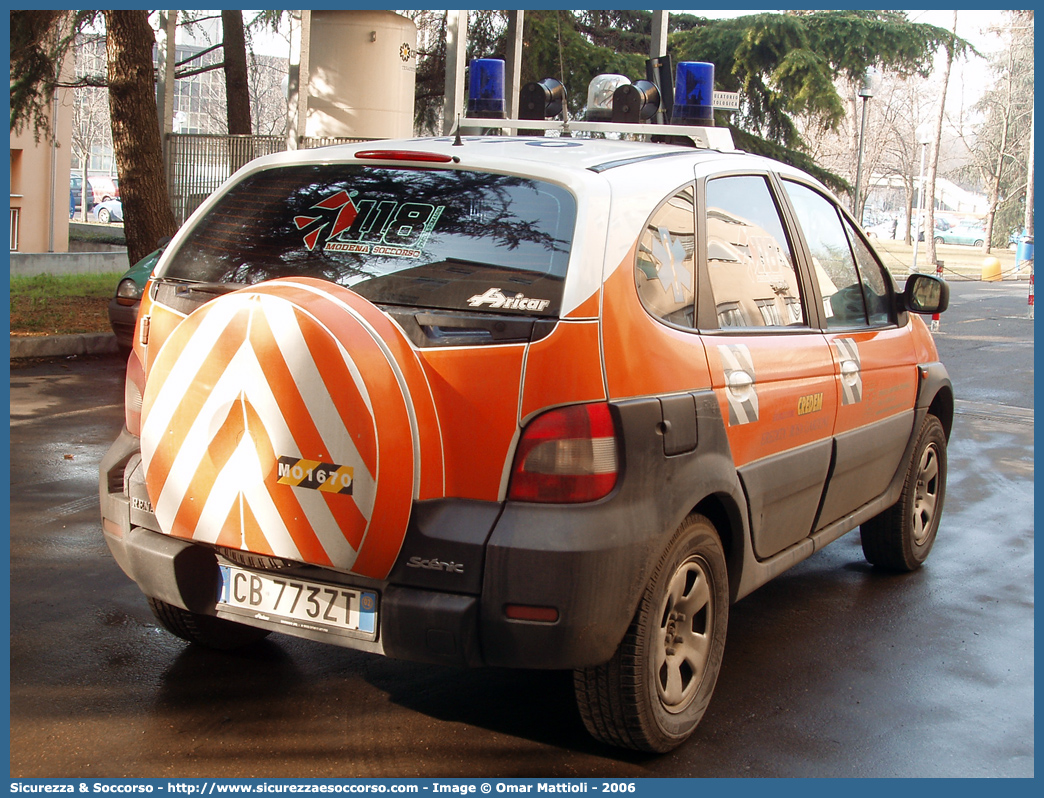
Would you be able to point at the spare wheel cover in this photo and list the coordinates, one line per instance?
(276, 420)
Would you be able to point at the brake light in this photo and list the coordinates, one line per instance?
(132, 393)
(404, 155)
(566, 456)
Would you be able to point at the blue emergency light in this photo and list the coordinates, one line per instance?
(486, 88)
(694, 94)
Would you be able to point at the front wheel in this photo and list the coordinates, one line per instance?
(652, 694)
(901, 537)
(207, 630)
(103, 216)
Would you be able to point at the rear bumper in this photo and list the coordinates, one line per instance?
(421, 624)
(462, 565)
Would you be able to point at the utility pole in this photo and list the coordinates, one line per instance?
(514, 61)
(456, 54)
(866, 91)
(297, 78)
(1028, 219)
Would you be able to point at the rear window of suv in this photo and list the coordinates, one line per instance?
(444, 239)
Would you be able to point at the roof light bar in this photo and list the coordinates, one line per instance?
(600, 93)
(694, 94)
(486, 88)
(636, 102)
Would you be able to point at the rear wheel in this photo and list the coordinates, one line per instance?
(653, 692)
(978, 242)
(206, 630)
(901, 537)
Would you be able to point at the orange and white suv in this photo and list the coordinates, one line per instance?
(521, 401)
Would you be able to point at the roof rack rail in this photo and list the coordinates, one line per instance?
(712, 138)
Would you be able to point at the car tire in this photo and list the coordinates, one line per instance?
(901, 537)
(652, 694)
(978, 242)
(939, 241)
(206, 630)
(103, 216)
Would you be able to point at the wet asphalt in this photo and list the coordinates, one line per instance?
(833, 669)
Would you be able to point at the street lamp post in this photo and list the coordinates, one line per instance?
(866, 91)
(922, 139)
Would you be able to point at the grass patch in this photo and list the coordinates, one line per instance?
(46, 304)
(960, 262)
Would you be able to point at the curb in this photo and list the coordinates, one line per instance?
(63, 345)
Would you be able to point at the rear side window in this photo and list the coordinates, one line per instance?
(665, 263)
(445, 239)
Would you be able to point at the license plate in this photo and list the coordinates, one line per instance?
(298, 603)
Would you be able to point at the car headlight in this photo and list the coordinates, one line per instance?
(128, 292)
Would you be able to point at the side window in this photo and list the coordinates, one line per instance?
(876, 285)
(665, 265)
(748, 256)
(832, 259)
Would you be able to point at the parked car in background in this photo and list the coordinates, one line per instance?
(108, 211)
(885, 229)
(76, 195)
(101, 188)
(969, 234)
(123, 307)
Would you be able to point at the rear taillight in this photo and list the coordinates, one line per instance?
(566, 456)
(132, 394)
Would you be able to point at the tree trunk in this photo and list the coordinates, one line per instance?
(135, 132)
(237, 89)
(1002, 154)
(237, 93)
(933, 165)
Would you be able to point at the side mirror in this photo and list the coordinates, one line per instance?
(925, 293)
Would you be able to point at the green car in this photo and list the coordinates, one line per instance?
(123, 307)
(968, 234)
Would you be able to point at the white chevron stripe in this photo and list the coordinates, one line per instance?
(244, 377)
(183, 372)
(324, 413)
(242, 370)
(246, 371)
(396, 370)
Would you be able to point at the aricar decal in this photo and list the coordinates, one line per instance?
(498, 300)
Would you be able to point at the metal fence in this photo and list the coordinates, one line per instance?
(197, 163)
